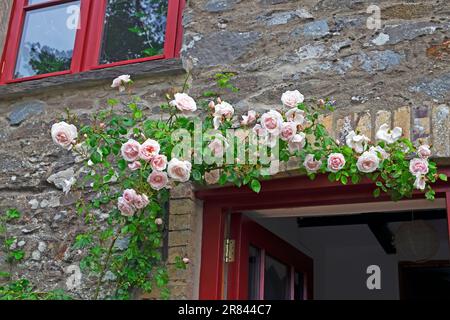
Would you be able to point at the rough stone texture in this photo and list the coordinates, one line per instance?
(321, 47)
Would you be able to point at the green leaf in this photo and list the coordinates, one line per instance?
(376, 192)
(12, 214)
(196, 175)
(122, 164)
(255, 185)
(96, 157)
(443, 177)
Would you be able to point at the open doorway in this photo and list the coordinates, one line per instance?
(410, 258)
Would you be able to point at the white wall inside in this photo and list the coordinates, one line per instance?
(342, 254)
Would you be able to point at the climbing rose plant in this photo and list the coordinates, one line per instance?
(131, 163)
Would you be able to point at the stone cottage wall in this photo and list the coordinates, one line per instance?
(398, 75)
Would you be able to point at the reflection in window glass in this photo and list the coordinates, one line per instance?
(30, 2)
(254, 260)
(47, 41)
(299, 286)
(276, 280)
(133, 30)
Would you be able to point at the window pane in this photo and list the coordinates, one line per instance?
(254, 262)
(30, 2)
(276, 280)
(48, 39)
(133, 30)
(299, 286)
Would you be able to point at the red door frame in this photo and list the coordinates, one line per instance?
(277, 193)
(246, 232)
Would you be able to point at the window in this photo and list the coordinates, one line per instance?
(55, 37)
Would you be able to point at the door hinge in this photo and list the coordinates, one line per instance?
(229, 248)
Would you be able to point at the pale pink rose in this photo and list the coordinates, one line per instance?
(179, 170)
(292, 98)
(368, 162)
(133, 166)
(159, 162)
(212, 177)
(159, 221)
(296, 116)
(384, 155)
(149, 149)
(420, 183)
(218, 146)
(357, 142)
(158, 180)
(125, 208)
(121, 81)
(259, 130)
(184, 103)
(312, 165)
(297, 142)
(424, 151)
(129, 195)
(336, 161)
(224, 110)
(186, 260)
(418, 166)
(248, 119)
(388, 135)
(130, 150)
(140, 201)
(64, 134)
(288, 130)
(272, 121)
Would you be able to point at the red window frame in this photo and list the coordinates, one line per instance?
(87, 40)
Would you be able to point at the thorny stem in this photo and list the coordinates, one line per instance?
(105, 266)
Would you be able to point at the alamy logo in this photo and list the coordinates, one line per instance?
(73, 21)
(374, 280)
(374, 21)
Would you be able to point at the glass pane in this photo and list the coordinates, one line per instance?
(30, 2)
(133, 30)
(276, 280)
(299, 286)
(254, 263)
(48, 39)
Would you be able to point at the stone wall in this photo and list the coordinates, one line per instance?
(398, 75)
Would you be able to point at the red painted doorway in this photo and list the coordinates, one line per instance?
(265, 267)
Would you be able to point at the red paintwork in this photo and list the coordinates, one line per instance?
(88, 38)
(247, 232)
(277, 193)
(447, 196)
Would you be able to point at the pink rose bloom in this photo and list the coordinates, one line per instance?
(368, 162)
(296, 116)
(420, 183)
(149, 149)
(272, 122)
(249, 118)
(179, 170)
(184, 103)
(336, 161)
(212, 177)
(424, 151)
(64, 134)
(418, 166)
(259, 130)
(312, 165)
(224, 110)
(121, 81)
(141, 201)
(133, 166)
(292, 98)
(297, 142)
(125, 208)
(159, 221)
(288, 130)
(217, 146)
(159, 162)
(129, 195)
(186, 260)
(130, 150)
(158, 180)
